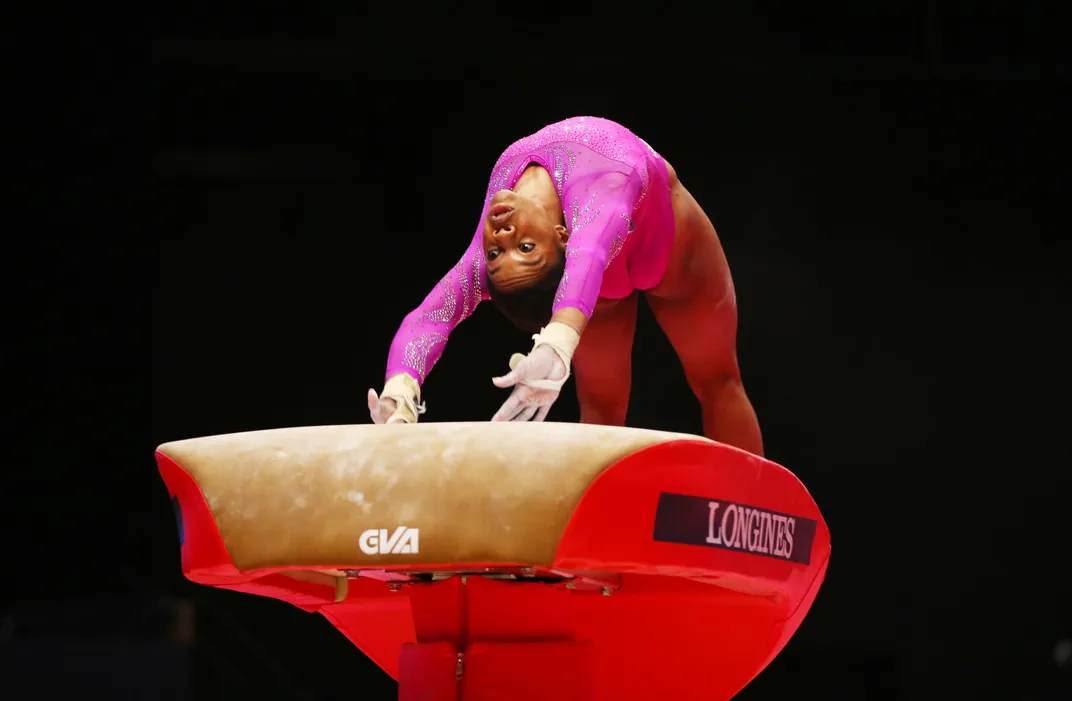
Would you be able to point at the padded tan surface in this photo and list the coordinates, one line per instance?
(479, 492)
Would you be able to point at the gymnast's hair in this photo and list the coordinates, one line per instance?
(529, 308)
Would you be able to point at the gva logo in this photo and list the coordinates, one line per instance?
(403, 541)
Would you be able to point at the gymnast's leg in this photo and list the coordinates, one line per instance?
(703, 332)
(698, 312)
(603, 362)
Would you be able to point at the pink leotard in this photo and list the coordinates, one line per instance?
(615, 195)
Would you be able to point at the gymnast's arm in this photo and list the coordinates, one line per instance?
(422, 336)
(600, 222)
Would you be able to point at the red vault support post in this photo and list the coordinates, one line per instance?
(481, 639)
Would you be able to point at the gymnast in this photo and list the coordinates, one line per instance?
(578, 219)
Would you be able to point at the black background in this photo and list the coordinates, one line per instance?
(239, 223)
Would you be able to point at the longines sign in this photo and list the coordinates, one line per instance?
(716, 523)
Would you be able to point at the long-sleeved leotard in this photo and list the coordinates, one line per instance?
(615, 196)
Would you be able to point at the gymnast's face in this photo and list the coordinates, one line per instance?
(522, 240)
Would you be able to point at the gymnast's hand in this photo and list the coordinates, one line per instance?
(532, 376)
(381, 408)
(399, 402)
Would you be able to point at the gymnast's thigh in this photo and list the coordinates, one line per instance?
(603, 362)
(695, 304)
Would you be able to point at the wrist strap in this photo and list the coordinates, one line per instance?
(562, 339)
(404, 389)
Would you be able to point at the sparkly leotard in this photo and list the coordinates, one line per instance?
(615, 195)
